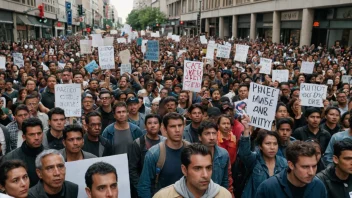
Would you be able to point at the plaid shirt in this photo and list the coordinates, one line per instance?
(13, 131)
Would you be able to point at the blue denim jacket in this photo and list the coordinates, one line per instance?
(255, 163)
(220, 167)
(109, 132)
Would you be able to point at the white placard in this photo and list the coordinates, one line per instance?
(45, 68)
(142, 33)
(203, 40)
(192, 77)
(51, 51)
(180, 52)
(266, 65)
(86, 46)
(108, 41)
(106, 57)
(18, 59)
(223, 51)
(280, 75)
(169, 35)
(176, 38)
(113, 31)
(307, 67)
(2, 62)
(68, 97)
(125, 68)
(144, 46)
(61, 65)
(210, 50)
(208, 61)
(211, 42)
(121, 40)
(312, 95)
(97, 40)
(76, 170)
(346, 78)
(241, 53)
(125, 56)
(262, 102)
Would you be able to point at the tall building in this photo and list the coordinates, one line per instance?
(161, 4)
(139, 4)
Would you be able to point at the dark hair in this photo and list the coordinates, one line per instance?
(329, 108)
(100, 168)
(280, 104)
(30, 96)
(206, 125)
(170, 99)
(311, 110)
(119, 104)
(7, 166)
(152, 116)
(104, 92)
(31, 122)
(92, 114)
(224, 116)
(194, 149)
(194, 106)
(71, 128)
(56, 110)
(262, 134)
(172, 116)
(30, 79)
(282, 121)
(243, 85)
(19, 108)
(343, 145)
(299, 148)
(77, 73)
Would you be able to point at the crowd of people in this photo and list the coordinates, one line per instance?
(179, 143)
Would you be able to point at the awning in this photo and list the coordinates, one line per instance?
(34, 21)
(21, 19)
(6, 17)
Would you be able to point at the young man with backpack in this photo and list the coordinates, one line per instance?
(139, 148)
(162, 163)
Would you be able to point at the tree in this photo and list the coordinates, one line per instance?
(140, 19)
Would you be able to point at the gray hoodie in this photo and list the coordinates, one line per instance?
(181, 188)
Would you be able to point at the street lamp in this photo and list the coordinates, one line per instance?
(198, 18)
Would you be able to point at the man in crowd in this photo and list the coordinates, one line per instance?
(342, 103)
(243, 91)
(14, 128)
(195, 113)
(284, 129)
(32, 103)
(48, 95)
(54, 135)
(105, 109)
(134, 116)
(9, 90)
(332, 115)
(66, 76)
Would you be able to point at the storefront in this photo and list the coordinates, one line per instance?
(265, 26)
(213, 27)
(6, 26)
(291, 23)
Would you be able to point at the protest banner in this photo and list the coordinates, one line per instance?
(68, 97)
(223, 51)
(152, 52)
(262, 102)
(2, 62)
(97, 40)
(125, 68)
(312, 95)
(307, 67)
(86, 46)
(144, 46)
(346, 79)
(192, 77)
(76, 170)
(113, 31)
(121, 40)
(106, 57)
(266, 65)
(91, 66)
(125, 56)
(241, 53)
(108, 41)
(280, 75)
(210, 50)
(228, 44)
(169, 35)
(18, 59)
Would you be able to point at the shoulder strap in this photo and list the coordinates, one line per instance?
(185, 143)
(162, 156)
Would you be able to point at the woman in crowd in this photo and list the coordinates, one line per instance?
(14, 180)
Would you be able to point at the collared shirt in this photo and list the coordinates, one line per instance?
(229, 144)
(15, 133)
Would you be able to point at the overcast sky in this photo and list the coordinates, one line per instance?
(124, 7)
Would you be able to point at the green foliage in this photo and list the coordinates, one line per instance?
(140, 19)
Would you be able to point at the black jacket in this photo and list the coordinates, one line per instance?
(48, 99)
(105, 148)
(303, 133)
(70, 190)
(334, 186)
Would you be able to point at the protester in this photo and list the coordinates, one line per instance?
(195, 113)
(284, 129)
(55, 133)
(14, 180)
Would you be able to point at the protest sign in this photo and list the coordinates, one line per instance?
(228, 44)
(113, 31)
(121, 40)
(223, 51)
(241, 53)
(266, 65)
(76, 170)
(157, 34)
(142, 33)
(125, 68)
(211, 42)
(312, 95)
(280, 75)
(108, 41)
(68, 97)
(86, 46)
(176, 38)
(125, 56)
(144, 46)
(51, 51)
(18, 59)
(2, 62)
(139, 41)
(210, 50)
(45, 68)
(106, 57)
(61, 65)
(203, 40)
(192, 77)
(307, 67)
(169, 35)
(262, 102)
(91, 66)
(346, 79)
(152, 52)
(180, 52)
(97, 40)
(209, 61)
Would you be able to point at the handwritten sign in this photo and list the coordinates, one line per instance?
(142, 33)
(86, 46)
(262, 102)
(280, 75)
(2, 62)
(266, 65)
(210, 50)
(113, 31)
(126, 68)
(68, 98)
(346, 79)
(106, 57)
(203, 40)
(180, 52)
(312, 94)
(152, 52)
(18, 59)
(192, 77)
(125, 56)
(307, 67)
(108, 41)
(91, 66)
(241, 53)
(223, 51)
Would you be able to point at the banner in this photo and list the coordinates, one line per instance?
(192, 77)
(125, 68)
(210, 50)
(106, 57)
(125, 56)
(307, 67)
(91, 66)
(86, 46)
(223, 51)
(152, 52)
(262, 102)
(312, 95)
(266, 65)
(108, 41)
(280, 75)
(68, 98)
(241, 53)
(18, 59)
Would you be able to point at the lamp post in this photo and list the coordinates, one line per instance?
(198, 18)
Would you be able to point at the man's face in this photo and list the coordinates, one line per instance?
(305, 168)
(93, 85)
(33, 136)
(53, 171)
(88, 103)
(196, 115)
(8, 86)
(158, 76)
(314, 120)
(30, 86)
(106, 99)
(32, 105)
(66, 76)
(183, 97)
(225, 125)
(73, 142)
(2, 84)
(285, 90)
(285, 132)
(103, 186)
(163, 93)
(152, 126)
(21, 115)
(133, 108)
(243, 92)
(57, 122)
(121, 114)
(333, 116)
(51, 82)
(341, 98)
(209, 137)
(344, 162)
(78, 79)
(123, 82)
(52, 68)
(171, 106)
(168, 84)
(174, 130)
(198, 172)
(94, 126)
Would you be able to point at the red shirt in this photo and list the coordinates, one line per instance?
(230, 144)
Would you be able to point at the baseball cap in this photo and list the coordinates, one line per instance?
(132, 100)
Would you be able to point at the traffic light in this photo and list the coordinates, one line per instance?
(181, 22)
(80, 10)
(41, 17)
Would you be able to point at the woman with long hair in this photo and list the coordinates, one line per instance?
(14, 180)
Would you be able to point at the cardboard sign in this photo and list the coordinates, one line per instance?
(125, 56)
(180, 52)
(91, 66)
(121, 40)
(125, 68)
(76, 170)
(2, 62)
(106, 57)
(152, 52)
(280, 75)
(210, 50)
(192, 77)
(223, 51)
(86, 46)
(307, 67)
(262, 102)
(18, 59)
(142, 33)
(241, 53)
(203, 40)
(266, 66)
(68, 98)
(312, 95)
(97, 40)
(108, 41)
